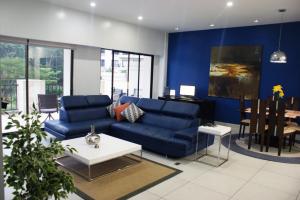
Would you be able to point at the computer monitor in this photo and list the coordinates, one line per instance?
(187, 90)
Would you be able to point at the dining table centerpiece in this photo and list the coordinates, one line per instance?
(278, 92)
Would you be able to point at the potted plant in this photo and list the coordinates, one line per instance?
(30, 169)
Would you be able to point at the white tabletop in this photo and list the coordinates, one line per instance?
(110, 148)
(215, 130)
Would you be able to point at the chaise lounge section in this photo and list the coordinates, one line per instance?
(168, 128)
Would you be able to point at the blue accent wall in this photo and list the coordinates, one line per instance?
(189, 60)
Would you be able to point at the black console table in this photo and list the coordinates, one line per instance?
(207, 107)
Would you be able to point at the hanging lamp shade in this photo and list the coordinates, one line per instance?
(278, 57)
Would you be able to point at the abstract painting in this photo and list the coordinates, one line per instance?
(235, 71)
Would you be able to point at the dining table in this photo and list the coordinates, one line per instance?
(290, 114)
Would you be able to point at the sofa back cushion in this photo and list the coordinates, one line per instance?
(86, 114)
(180, 109)
(127, 99)
(164, 121)
(98, 100)
(74, 102)
(151, 105)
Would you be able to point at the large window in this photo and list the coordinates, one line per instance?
(125, 73)
(49, 72)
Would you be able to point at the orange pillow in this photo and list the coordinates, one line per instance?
(120, 109)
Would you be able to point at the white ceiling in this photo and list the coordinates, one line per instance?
(189, 14)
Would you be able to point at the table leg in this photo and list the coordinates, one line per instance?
(229, 146)
(219, 149)
(89, 168)
(207, 138)
(197, 143)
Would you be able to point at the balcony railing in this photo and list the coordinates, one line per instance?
(54, 89)
(9, 93)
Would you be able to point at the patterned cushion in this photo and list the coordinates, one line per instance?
(111, 108)
(132, 113)
(119, 110)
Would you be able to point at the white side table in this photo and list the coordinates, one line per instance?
(217, 131)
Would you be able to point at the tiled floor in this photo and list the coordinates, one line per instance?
(241, 178)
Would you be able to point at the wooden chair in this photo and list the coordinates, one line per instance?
(258, 122)
(243, 120)
(253, 121)
(293, 103)
(283, 131)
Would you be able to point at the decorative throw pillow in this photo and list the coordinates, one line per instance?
(111, 108)
(132, 113)
(120, 109)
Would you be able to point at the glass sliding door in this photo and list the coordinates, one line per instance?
(106, 72)
(48, 67)
(145, 76)
(120, 74)
(12, 71)
(125, 73)
(133, 80)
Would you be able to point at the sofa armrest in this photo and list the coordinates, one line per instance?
(189, 134)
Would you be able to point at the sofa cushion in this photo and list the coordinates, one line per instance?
(78, 128)
(165, 121)
(132, 113)
(77, 115)
(127, 99)
(180, 109)
(111, 108)
(151, 137)
(98, 100)
(119, 109)
(71, 102)
(152, 105)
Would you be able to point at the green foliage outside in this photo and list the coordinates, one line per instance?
(12, 67)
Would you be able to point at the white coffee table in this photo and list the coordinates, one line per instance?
(110, 148)
(218, 131)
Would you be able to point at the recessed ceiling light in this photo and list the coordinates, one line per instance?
(211, 25)
(256, 21)
(61, 14)
(229, 3)
(177, 28)
(140, 18)
(93, 4)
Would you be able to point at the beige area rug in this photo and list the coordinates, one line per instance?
(120, 184)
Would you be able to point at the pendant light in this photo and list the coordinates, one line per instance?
(279, 56)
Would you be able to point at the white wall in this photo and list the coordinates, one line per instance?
(86, 71)
(38, 20)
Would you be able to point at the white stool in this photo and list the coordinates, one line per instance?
(217, 131)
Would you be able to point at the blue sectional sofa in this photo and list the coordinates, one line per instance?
(167, 127)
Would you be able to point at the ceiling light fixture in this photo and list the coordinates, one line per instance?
(279, 56)
(256, 21)
(140, 18)
(177, 28)
(61, 15)
(229, 4)
(211, 25)
(93, 4)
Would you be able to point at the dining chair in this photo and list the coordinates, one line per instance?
(262, 129)
(293, 103)
(258, 122)
(283, 131)
(243, 120)
(253, 121)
